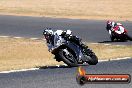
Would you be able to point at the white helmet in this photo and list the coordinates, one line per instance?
(48, 32)
(58, 32)
(68, 32)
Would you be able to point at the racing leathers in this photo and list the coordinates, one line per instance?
(59, 36)
(56, 40)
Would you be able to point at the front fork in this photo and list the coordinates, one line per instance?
(81, 56)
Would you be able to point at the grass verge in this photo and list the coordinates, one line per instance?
(25, 53)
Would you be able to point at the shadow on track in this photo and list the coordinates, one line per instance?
(52, 67)
(111, 41)
(105, 42)
(58, 66)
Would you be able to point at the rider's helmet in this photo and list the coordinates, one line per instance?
(66, 33)
(58, 32)
(47, 33)
(69, 32)
(109, 22)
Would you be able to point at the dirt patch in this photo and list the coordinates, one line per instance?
(81, 9)
(25, 53)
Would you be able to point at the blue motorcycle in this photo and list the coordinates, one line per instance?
(73, 52)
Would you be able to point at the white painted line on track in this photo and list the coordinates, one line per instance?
(4, 36)
(31, 69)
(17, 37)
(103, 60)
(107, 44)
(115, 59)
(34, 38)
(58, 65)
(121, 58)
(22, 70)
(22, 37)
(120, 45)
(100, 43)
(94, 43)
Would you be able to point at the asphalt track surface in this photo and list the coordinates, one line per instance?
(29, 27)
(63, 77)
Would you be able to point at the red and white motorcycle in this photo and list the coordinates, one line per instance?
(118, 32)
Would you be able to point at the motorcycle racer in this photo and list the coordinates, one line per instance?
(54, 39)
(110, 26)
(117, 31)
(49, 36)
(68, 48)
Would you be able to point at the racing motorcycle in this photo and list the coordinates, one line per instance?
(118, 33)
(71, 53)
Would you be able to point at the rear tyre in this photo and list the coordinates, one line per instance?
(68, 57)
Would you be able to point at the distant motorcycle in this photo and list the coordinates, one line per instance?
(118, 33)
(72, 54)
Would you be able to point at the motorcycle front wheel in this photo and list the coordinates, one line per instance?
(92, 59)
(68, 57)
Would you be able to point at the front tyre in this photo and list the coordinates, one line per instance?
(68, 57)
(92, 59)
